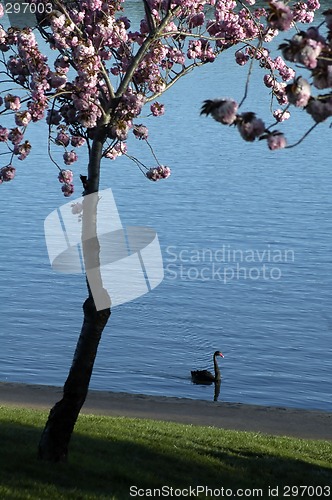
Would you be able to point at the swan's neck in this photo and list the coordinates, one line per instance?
(216, 368)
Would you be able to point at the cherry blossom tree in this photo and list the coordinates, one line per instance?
(104, 73)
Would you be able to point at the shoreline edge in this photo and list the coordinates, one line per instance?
(278, 421)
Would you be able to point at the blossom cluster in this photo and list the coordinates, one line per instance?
(157, 173)
(225, 111)
(106, 71)
(7, 173)
(313, 51)
(66, 178)
(310, 49)
(116, 150)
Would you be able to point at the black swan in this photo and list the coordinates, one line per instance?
(206, 377)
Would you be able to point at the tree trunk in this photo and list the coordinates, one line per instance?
(54, 442)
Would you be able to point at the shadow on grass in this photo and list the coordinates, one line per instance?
(106, 467)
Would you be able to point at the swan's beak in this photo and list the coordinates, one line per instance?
(221, 354)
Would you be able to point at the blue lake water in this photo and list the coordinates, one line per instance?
(245, 236)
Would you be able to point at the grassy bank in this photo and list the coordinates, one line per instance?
(108, 455)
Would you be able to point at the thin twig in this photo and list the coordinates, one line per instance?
(138, 163)
(303, 137)
(153, 153)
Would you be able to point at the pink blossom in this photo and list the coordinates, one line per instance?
(222, 110)
(58, 20)
(3, 40)
(62, 65)
(313, 4)
(70, 157)
(94, 4)
(57, 80)
(4, 132)
(196, 20)
(77, 141)
(82, 50)
(67, 190)
(269, 34)
(249, 126)
(141, 132)
(15, 136)
(125, 21)
(287, 73)
(22, 119)
(280, 15)
(319, 109)
(269, 80)
(16, 66)
(279, 90)
(66, 176)
(12, 102)
(157, 85)
(118, 150)
(157, 173)
(261, 54)
(131, 104)
(175, 56)
(301, 15)
(195, 49)
(119, 130)
(157, 109)
(115, 70)
(62, 139)
(298, 93)
(309, 53)
(241, 58)
(22, 150)
(281, 115)
(200, 49)
(304, 11)
(87, 118)
(7, 173)
(304, 48)
(276, 140)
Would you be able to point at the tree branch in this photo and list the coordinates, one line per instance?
(154, 35)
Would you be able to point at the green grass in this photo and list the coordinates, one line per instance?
(108, 455)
